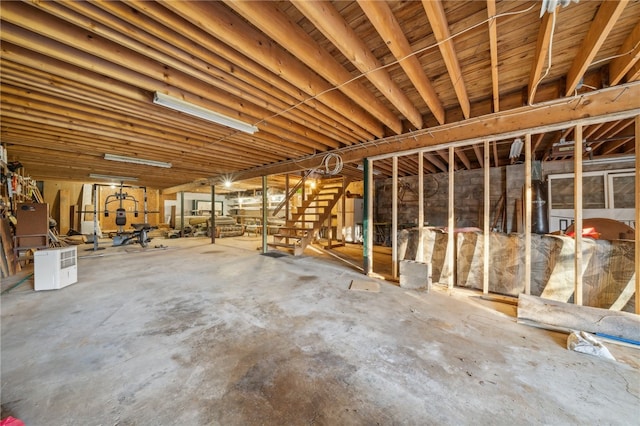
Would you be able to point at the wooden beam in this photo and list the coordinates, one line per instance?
(603, 23)
(577, 212)
(380, 15)
(330, 23)
(542, 50)
(367, 219)
(608, 104)
(269, 19)
(527, 213)
(630, 50)
(538, 140)
(479, 154)
(194, 42)
(493, 50)
(444, 154)
(634, 73)
(485, 218)
(451, 223)
(439, 25)
(164, 50)
(435, 161)
(463, 157)
(611, 148)
(394, 219)
(496, 159)
(420, 253)
(137, 70)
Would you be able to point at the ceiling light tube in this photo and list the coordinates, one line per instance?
(112, 178)
(135, 160)
(203, 113)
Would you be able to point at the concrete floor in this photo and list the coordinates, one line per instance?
(197, 334)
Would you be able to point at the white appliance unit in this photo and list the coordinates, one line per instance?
(55, 268)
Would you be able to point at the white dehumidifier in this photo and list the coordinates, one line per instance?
(55, 268)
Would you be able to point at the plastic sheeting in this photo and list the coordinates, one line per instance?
(607, 272)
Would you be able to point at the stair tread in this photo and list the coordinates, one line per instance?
(291, 246)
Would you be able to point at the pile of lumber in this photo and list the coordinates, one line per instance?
(8, 262)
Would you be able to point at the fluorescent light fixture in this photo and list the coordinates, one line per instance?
(135, 160)
(203, 113)
(112, 178)
(516, 149)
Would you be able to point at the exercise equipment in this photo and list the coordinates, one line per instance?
(140, 233)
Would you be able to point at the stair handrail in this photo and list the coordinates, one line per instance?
(291, 192)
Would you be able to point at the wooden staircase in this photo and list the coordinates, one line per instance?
(307, 220)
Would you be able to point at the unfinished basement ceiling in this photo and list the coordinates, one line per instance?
(78, 79)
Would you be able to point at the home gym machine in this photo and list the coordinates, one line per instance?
(140, 233)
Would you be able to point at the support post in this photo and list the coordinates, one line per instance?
(265, 228)
(394, 219)
(181, 214)
(343, 219)
(288, 200)
(485, 219)
(213, 214)
(637, 224)
(577, 205)
(367, 218)
(527, 214)
(420, 254)
(145, 205)
(95, 217)
(451, 219)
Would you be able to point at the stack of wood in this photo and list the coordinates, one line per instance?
(8, 262)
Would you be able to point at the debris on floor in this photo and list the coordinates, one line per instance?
(362, 285)
(580, 341)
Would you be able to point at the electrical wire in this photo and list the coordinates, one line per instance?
(337, 168)
(535, 87)
(397, 61)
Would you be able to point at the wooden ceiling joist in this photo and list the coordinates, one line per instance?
(328, 20)
(608, 104)
(479, 154)
(440, 27)
(629, 56)
(603, 23)
(389, 29)
(542, 52)
(463, 157)
(265, 16)
(433, 159)
(493, 50)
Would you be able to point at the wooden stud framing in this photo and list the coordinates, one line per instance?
(451, 223)
(420, 254)
(265, 227)
(527, 214)
(486, 217)
(368, 216)
(577, 224)
(394, 220)
(213, 214)
(637, 299)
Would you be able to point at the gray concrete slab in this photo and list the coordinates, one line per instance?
(204, 335)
